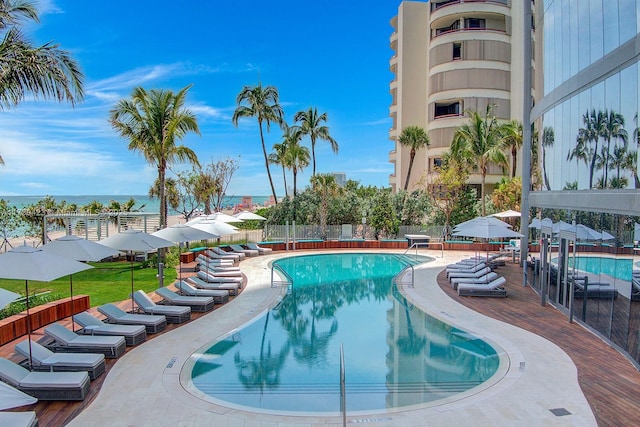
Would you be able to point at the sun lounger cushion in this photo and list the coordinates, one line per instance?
(263, 251)
(210, 283)
(133, 334)
(45, 360)
(196, 303)
(471, 274)
(173, 313)
(214, 278)
(68, 341)
(153, 323)
(18, 419)
(473, 280)
(220, 296)
(45, 385)
(491, 289)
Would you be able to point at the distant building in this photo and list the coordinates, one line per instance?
(450, 56)
(340, 177)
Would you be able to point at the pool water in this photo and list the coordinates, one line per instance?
(395, 354)
(619, 268)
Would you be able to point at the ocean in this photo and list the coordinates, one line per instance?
(143, 202)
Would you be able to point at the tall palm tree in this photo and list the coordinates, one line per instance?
(264, 105)
(416, 138)
(326, 188)
(590, 133)
(45, 72)
(612, 129)
(277, 157)
(311, 125)
(548, 139)
(154, 121)
(513, 139)
(580, 152)
(480, 141)
(297, 158)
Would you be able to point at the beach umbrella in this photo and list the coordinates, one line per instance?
(221, 216)
(27, 263)
(135, 241)
(181, 233)
(78, 249)
(506, 214)
(7, 297)
(13, 398)
(215, 227)
(249, 216)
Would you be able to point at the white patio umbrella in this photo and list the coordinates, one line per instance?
(78, 249)
(481, 220)
(221, 216)
(215, 227)
(485, 229)
(135, 241)
(181, 233)
(7, 297)
(248, 216)
(606, 236)
(506, 214)
(27, 263)
(13, 398)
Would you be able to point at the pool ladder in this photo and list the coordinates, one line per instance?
(407, 265)
(287, 279)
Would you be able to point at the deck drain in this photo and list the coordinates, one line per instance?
(171, 362)
(560, 412)
(522, 364)
(368, 420)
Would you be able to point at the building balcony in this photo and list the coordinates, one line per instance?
(393, 155)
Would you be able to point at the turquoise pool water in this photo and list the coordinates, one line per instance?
(620, 268)
(395, 354)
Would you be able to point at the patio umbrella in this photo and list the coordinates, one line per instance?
(485, 228)
(13, 398)
(506, 214)
(27, 263)
(77, 249)
(606, 236)
(181, 233)
(135, 241)
(7, 297)
(481, 220)
(248, 216)
(215, 227)
(221, 216)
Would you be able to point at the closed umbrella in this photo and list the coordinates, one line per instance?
(78, 249)
(181, 233)
(27, 263)
(135, 241)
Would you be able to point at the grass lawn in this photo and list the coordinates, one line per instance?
(107, 282)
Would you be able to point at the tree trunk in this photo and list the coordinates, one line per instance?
(284, 176)
(313, 155)
(412, 155)
(266, 163)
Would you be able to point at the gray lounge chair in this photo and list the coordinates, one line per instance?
(67, 341)
(221, 272)
(491, 289)
(635, 289)
(196, 303)
(45, 385)
(212, 278)
(198, 282)
(173, 313)
(227, 254)
(115, 315)
(44, 359)
(469, 275)
(219, 262)
(600, 290)
(247, 252)
(133, 334)
(260, 249)
(18, 419)
(220, 296)
(473, 280)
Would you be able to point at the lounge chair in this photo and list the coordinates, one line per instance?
(260, 249)
(220, 251)
(45, 385)
(196, 303)
(600, 290)
(492, 289)
(19, 419)
(67, 341)
(133, 334)
(173, 313)
(214, 278)
(44, 359)
(469, 275)
(220, 296)
(466, 268)
(473, 280)
(205, 260)
(231, 287)
(217, 253)
(221, 272)
(247, 252)
(635, 289)
(152, 323)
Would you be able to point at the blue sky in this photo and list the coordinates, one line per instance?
(332, 54)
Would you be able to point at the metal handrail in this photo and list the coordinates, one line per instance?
(418, 244)
(288, 280)
(401, 272)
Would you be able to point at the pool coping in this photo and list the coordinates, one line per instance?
(155, 394)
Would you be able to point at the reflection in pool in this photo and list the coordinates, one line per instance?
(395, 355)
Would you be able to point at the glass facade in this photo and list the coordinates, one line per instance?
(585, 169)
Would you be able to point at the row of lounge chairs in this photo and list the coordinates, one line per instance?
(475, 277)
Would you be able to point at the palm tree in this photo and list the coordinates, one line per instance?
(43, 72)
(631, 164)
(297, 158)
(264, 105)
(153, 121)
(548, 139)
(612, 128)
(326, 188)
(311, 125)
(590, 134)
(481, 142)
(513, 139)
(277, 157)
(416, 138)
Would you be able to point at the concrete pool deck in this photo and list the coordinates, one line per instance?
(144, 387)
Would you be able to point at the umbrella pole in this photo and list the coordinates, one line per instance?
(73, 323)
(132, 305)
(26, 287)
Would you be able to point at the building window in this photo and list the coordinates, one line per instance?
(437, 162)
(453, 27)
(474, 23)
(447, 109)
(457, 51)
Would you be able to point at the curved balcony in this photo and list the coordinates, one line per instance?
(393, 155)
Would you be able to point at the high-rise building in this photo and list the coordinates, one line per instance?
(450, 56)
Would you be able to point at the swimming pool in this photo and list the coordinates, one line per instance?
(395, 354)
(619, 268)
